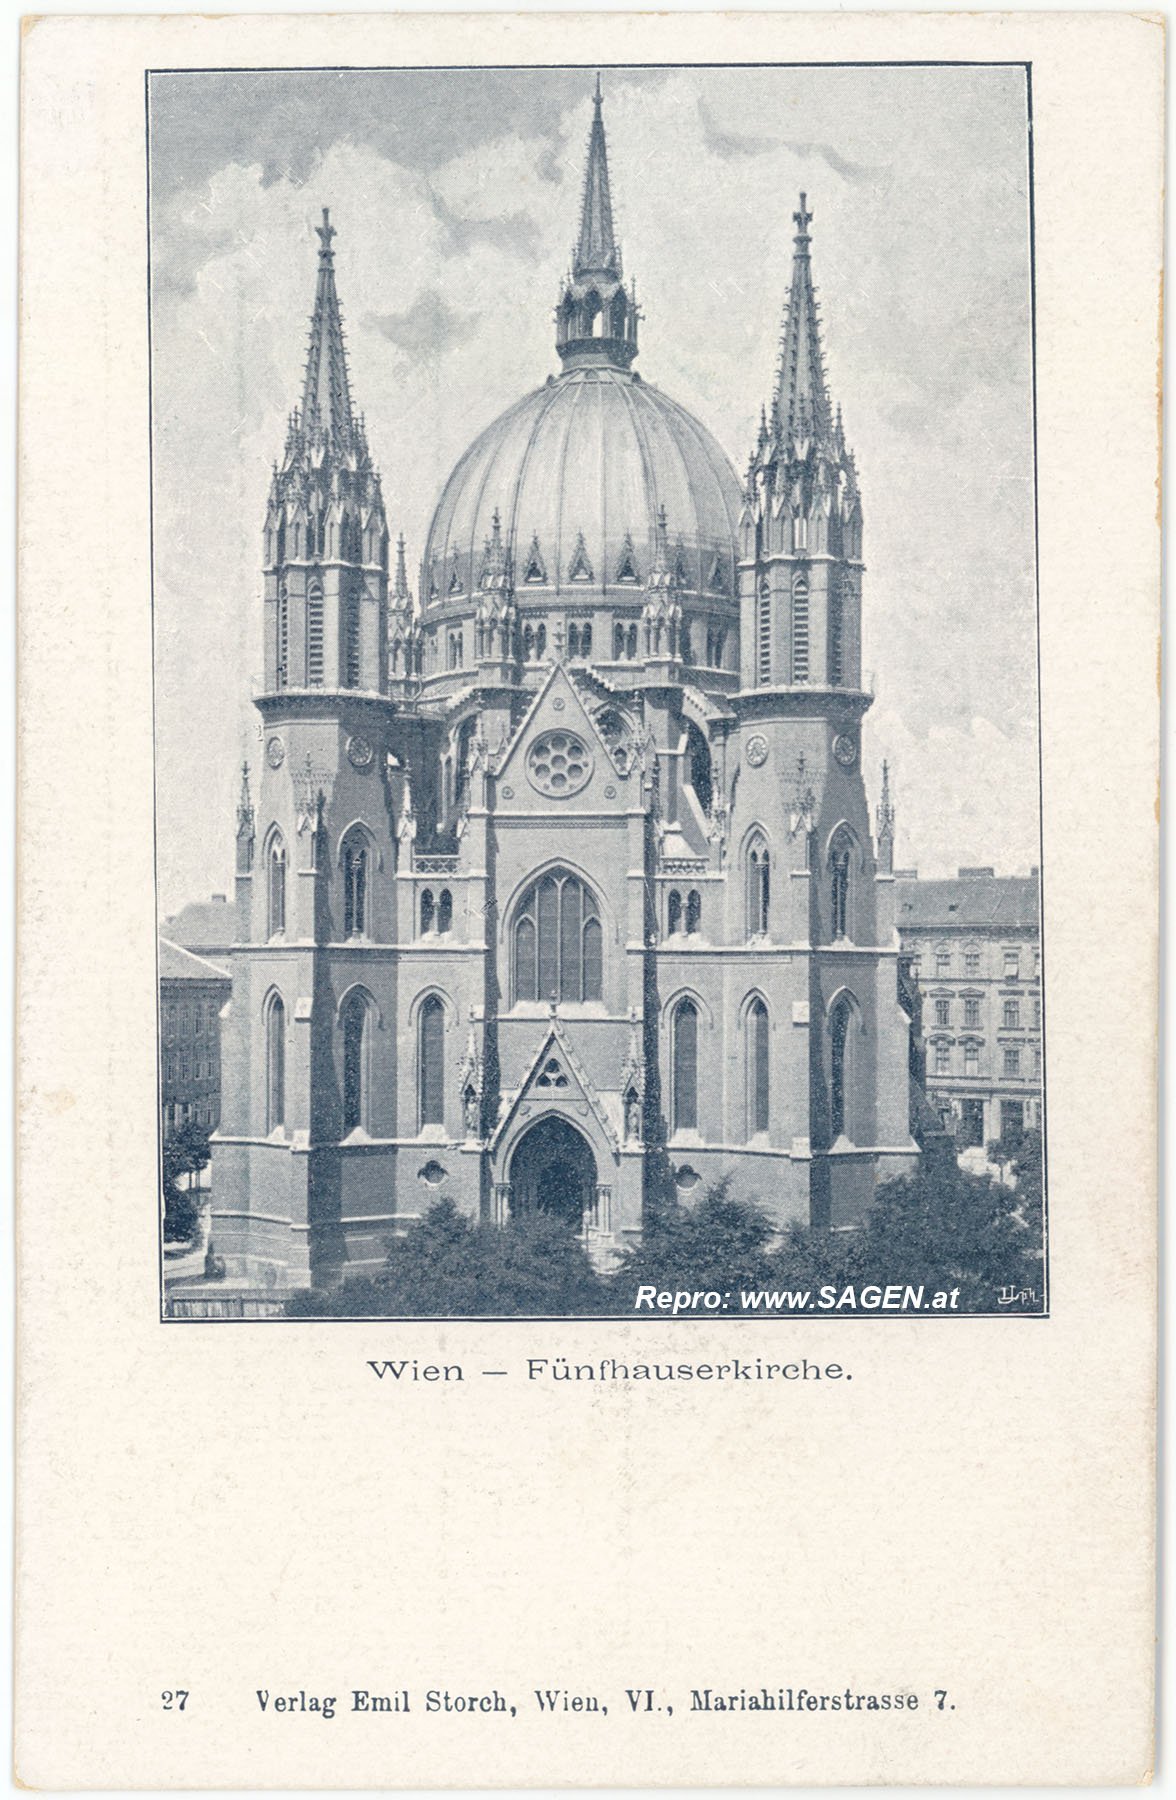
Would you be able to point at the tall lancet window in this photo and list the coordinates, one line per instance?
(758, 888)
(840, 860)
(431, 1062)
(842, 1033)
(356, 1023)
(684, 1066)
(355, 886)
(757, 1068)
(283, 646)
(351, 639)
(276, 898)
(800, 628)
(275, 1064)
(764, 635)
(836, 631)
(314, 637)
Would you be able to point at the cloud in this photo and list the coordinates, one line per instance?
(840, 165)
(516, 233)
(427, 329)
(730, 144)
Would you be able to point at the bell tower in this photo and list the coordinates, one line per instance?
(308, 1068)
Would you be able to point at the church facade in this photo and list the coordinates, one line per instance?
(557, 879)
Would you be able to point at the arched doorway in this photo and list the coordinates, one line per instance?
(553, 1171)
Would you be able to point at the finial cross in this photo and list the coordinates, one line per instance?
(804, 218)
(326, 231)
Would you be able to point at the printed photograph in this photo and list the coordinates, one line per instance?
(596, 716)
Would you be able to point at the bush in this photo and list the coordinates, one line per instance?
(719, 1245)
(448, 1266)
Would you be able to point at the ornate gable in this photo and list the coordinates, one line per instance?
(556, 1080)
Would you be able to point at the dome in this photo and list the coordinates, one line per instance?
(577, 472)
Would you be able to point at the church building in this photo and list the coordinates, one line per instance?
(556, 880)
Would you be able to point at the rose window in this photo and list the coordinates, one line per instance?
(559, 763)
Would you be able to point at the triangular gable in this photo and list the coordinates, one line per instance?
(580, 569)
(555, 1074)
(627, 565)
(573, 715)
(536, 569)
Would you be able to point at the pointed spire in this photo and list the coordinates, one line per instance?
(596, 252)
(884, 823)
(400, 592)
(801, 400)
(326, 394)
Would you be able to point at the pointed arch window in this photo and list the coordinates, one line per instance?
(356, 1023)
(618, 642)
(428, 911)
(674, 912)
(764, 635)
(840, 868)
(631, 643)
(758, 1093)
(693, 913)
(758, 888)
(431, 1062)
(275, 1064)
(276, 897)
(283, 654)
(684, 1066)
(314, 637)
(445, 910)
(842, 1035)
(356, 870)
(558, 941)
(836, 632)
(800, 628)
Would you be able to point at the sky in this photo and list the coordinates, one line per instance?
(455, 194)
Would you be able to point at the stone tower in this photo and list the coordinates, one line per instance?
(801, 707)
(312, 1011)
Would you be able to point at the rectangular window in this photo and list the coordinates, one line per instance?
(1012, 1015)
(942, 1059)
(971, 1012)
(943, 962)
(916, 967)
(972, 962)
(943, 1012)
(1012, 1060)
(971, 1059)
(1037, 1015)
(1012, 965)
(185, 1021)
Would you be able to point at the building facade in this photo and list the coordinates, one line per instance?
(192, 992)
(559, 879)
(972, 945)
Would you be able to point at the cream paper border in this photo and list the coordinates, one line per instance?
(222, 1510)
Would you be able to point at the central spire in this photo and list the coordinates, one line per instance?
(596, 321)
(596, 252)
(326, 393)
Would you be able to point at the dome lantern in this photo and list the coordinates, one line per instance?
(596, 319)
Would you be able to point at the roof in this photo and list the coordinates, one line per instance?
(578, 471)
(178, 964)
(994, 902)
(203, 924)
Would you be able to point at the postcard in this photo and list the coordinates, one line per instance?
(588, 886)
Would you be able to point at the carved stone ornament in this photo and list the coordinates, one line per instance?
(559, 763)
(275, 753)
(757, 750)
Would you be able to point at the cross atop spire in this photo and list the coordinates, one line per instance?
(801, 399)
(326, 394)
(596, 251)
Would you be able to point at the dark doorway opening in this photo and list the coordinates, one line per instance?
(971, 1123)
(553, 1171)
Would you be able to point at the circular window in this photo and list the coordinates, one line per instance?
(559, 763)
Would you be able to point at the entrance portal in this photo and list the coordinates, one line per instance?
(553, 1171)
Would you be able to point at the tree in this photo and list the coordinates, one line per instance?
(186, 1152)
(450, 1266)
(719, 1245)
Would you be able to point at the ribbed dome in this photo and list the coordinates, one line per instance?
(577, 472)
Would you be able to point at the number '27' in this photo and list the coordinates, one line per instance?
(174, 1701)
